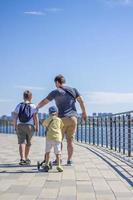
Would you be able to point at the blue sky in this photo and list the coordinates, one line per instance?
(89, 42)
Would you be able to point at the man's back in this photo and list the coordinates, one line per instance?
(65, 100)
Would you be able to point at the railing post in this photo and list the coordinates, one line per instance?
(39, 130)
(106, 128)
(93, 131)
(111, 134)
(4, 128)
(119, 118)
(89, 130)
(81, 130)
(7, 131)
(85, 131)
(9, 126)
(129, 135)
(123, 134)
(101, 131)
(97, 131)
(115, 124)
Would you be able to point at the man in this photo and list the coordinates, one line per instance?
(65, 98)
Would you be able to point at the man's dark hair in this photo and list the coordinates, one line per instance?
(27, 94)
(60, 78)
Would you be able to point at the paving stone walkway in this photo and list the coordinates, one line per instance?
(95, 175)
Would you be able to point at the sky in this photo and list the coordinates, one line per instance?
(90, 42)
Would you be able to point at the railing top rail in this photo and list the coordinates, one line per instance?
(122, 113)
(110, 116)
(106, 116)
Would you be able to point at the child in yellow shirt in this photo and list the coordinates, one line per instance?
(54, 127)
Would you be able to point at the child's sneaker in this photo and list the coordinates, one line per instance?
(50, 165)
(55, 162)
(46, 168)
(59, 168)
(22, 162)
(43, 162)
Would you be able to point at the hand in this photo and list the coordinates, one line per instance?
(36, 129)
(15, 128)
(84, 116)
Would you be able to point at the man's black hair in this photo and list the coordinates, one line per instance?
(60, 78)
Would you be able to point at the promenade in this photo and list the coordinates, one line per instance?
(95, 175)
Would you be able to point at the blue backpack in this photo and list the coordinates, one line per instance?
(24, 114)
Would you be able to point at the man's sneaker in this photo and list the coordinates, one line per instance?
(69, 162)
(59, 168)
(28, 162)
(22, 162)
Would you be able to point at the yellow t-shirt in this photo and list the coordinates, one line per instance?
(54, 129)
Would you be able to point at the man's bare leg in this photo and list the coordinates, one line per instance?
(70, 148)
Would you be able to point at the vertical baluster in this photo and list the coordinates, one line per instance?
(85, 131)
(81, 130)
(39, 131)
(9, 126)
(129, 135)
(111, 134)
(93, 131)
(123, 134)
(101, 131)
(119, 141)
(106, 129)
(97, 131)
(115, 124)
(89, 120)
(91, 138)
(3, 126)
(0, 126)
(6, 126)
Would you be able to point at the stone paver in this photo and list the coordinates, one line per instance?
(90, 178)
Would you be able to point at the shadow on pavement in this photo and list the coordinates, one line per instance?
(13, 165)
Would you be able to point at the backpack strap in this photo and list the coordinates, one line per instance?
(69, 92)
(48, 126)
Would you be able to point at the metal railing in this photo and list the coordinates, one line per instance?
(6, 126)
(113, 132)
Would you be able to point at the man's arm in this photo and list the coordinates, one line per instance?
(42, 103)
(82, 106)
